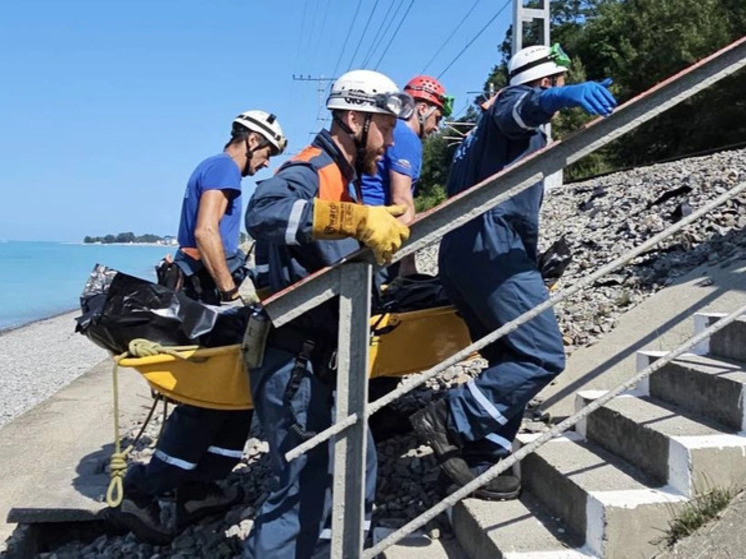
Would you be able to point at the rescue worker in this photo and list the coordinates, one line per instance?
(199, 445)
(396, 183)
(399, 170)
(489, 269)
(304, 218)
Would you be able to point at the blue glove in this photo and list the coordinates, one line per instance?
(593, 97)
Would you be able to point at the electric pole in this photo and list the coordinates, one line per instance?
(536, 19)
(321, 90)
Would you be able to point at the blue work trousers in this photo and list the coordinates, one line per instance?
(491, 276)
(295, 520)
(197, 445)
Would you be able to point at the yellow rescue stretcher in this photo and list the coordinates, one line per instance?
(401, 343)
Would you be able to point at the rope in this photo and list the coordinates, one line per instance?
(139, 347)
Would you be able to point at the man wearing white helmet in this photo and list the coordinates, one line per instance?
(489, 268)
(199, 445)
(305, 218)
(211, 211)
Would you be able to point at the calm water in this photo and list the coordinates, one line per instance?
(42, 279)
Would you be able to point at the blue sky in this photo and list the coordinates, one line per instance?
(106, 106)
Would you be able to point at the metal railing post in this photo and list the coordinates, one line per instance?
(348, 514)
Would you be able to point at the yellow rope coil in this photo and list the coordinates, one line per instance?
(139, 347)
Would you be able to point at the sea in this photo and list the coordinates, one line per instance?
(43, 279)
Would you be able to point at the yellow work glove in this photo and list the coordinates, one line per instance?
(374, 226)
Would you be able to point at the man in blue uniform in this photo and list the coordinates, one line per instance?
(303, 219)
(399, 171)
(395, 182)
(489, 269)
(199, 445)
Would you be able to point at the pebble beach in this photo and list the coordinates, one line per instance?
(39, 359)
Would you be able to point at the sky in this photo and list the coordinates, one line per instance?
(106, 106)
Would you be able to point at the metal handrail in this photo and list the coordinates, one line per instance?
(321, 286)
(558, 429)
(511, 326)
(335, 281)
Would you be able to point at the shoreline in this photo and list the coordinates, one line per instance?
(9, 329)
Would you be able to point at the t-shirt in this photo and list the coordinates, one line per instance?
(404, 157)
(218, 172)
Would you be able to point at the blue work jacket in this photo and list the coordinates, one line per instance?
(279, 217)
(508, 130)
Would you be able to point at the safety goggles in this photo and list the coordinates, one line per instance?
(401, 105)
(559, 56)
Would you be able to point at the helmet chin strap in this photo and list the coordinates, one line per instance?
(422, 119)
(249, 154)
(360, 145)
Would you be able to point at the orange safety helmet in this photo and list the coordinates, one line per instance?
(426, 88)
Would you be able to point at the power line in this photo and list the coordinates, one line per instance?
(347, 38)
(320, 89)
(365, 30)
(314, 18)
(301, 34)
(475, 37)
(390, 21)
(411, 3)
(321, 33)
(460, 23)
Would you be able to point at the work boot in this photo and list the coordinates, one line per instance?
(431, 426)
(504, 487)
(141, 515)
(195, 501)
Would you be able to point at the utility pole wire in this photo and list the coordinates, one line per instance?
(442, 46)
(347, 38)
(381, 35)
(301, 34)
(475, 38)
(321, 32)
(411, 3)
(362, 37)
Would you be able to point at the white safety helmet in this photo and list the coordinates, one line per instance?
(369, 92)
(266, 125)
(534, 63)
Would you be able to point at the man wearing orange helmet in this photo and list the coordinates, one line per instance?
(399, 170)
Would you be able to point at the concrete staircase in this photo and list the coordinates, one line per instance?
(610, 488)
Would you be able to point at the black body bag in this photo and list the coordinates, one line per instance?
(118, 307)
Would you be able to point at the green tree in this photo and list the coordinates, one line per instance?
(128, 237)
(148, 238)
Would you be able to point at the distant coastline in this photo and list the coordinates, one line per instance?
(139, 244)
(130, 238)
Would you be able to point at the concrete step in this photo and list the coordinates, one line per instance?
(419, 546)
(705, 386)
(596, 494)
(728, 343)
(520, 529)
(682, 452)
